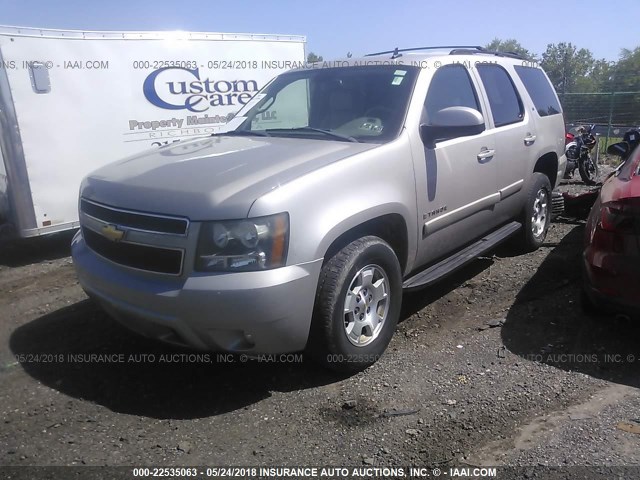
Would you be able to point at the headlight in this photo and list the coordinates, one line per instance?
(243, 245)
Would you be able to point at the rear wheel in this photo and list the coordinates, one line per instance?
(357, 306)
(537, 212)
(588, 171)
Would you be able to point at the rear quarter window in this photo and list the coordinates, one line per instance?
(540, 90)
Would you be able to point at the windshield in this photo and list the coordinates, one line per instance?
(364, 104)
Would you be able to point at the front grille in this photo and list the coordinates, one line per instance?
(143, 257)
(139, 221)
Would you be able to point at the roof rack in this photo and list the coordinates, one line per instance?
(396, 51)
(466, 51)
(453, 50)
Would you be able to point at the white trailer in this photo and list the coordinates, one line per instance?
(72, 101)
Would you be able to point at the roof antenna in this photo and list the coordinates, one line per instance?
(396, 54)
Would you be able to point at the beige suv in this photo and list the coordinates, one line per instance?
(336, 187)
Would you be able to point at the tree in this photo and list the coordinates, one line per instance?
(600, 77)
(509, 46)
(567, 67)
(313, 58)
(625, 77)
(627, 71)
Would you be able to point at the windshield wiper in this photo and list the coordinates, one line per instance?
(242, 133)
(329, 133)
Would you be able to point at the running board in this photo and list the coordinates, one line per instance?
(459, 259)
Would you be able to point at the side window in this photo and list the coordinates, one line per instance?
(540, 90)
(450, 87)
(506, 105)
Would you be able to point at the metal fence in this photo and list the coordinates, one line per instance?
(613, 113)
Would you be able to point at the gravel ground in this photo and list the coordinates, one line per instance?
(497, 365)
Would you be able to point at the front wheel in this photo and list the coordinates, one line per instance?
(357, 306)
(588, 171)
(537, 212)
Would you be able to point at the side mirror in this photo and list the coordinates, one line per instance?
(621, 149)
(451, 122)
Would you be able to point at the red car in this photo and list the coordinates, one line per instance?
(612, 244)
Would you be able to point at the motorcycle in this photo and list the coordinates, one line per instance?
(579, 206)
(578, 152)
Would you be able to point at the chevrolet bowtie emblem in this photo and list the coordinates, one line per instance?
(112, 233)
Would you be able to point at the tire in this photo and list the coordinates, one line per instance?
(537, 213)
(569, 170)
(588, 171)
(345, 297)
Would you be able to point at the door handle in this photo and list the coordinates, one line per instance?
(529, 139)
(485, 155)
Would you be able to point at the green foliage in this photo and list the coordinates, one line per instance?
(568, 67)
(509, 46)
(313, 58)
(627, 71)
(600, 77)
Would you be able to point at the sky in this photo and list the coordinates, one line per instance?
(335, 27)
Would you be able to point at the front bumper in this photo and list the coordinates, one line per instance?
(252, 312)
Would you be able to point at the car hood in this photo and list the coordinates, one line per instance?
(211, 178)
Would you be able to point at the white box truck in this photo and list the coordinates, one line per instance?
(72, 101)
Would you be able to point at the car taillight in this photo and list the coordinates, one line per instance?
(622, 216)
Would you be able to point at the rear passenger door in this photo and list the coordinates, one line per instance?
(457, 181)
(514, 129)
